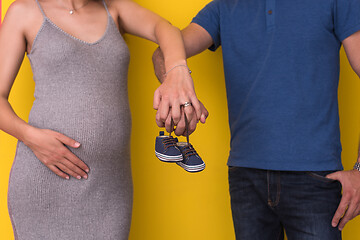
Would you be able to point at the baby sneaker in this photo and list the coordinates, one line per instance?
(166, 149)
(191, 162)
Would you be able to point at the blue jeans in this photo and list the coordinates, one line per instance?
(265, 203)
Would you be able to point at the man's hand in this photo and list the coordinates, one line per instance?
(349, 206)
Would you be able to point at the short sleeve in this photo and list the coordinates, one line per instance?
(209, 19)
(347, 18)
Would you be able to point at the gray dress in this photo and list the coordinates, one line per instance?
(81, 91)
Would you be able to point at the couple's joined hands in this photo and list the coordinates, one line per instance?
(169, 99)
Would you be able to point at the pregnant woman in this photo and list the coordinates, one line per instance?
(71, 177)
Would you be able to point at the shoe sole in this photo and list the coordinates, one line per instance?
(166, 158)
(192, 169)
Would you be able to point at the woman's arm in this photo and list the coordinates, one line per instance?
(178, 86)
(196, 40)
(47, 145)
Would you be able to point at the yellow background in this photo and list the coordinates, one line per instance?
(170, 204)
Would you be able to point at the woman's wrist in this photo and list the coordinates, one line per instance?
(27, 133)
(171, 64)
(182, 66)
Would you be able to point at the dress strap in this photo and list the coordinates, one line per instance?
(41, 9)
(107, 10)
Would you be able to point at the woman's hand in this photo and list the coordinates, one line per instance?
(177, 89)
(49, 147)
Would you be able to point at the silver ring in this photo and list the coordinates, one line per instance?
(186, 104)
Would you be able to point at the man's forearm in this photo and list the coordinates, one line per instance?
(159, 64)
(196, 40)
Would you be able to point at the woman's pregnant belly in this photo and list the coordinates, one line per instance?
(102, 128)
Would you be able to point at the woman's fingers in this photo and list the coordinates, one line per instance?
(196, 105)
(181, 127)
(175, 111)
(51, 148)
(66, 140)
(169, 124)
(69, 168)
(162, 113)
(157, 99)
(158, 120)
(58, 172)
(192, 124)
(75, 168)
(75, 160)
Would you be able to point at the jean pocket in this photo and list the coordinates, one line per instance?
(320, 175)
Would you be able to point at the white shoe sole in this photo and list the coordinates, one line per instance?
(166, 158)
(189, 168)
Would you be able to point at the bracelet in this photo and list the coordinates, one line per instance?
(181, 65)
(357, 166)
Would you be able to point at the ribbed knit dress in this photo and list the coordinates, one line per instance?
(81, 91)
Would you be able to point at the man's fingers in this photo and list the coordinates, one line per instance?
(58, 172)
(67, 141)
(348, 216)
(344, 203)
(334, 176)
(157, 99)
(204, 113)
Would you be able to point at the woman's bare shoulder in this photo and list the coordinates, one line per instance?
(119, 4)
(24, 7)
(22, 12)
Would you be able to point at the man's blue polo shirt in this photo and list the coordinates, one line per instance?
(281, 63)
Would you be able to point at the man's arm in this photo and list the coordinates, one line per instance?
(352, 49)
(196, 40)
(349, 206)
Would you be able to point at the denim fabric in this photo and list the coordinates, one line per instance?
(264, 203)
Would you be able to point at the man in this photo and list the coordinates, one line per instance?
(281, 63)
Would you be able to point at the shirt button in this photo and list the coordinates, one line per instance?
(270, 12)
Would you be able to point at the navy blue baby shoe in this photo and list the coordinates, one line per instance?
(191, 162)
(166, 149)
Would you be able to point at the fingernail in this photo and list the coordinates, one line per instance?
(85, 176)
(77, 144)
(87, 170)
(78, 177)
(67, 177)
